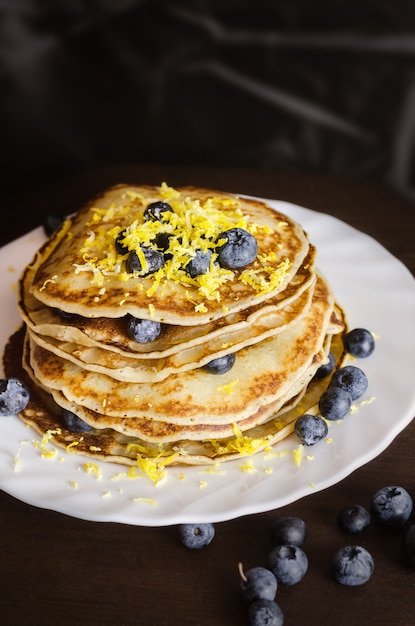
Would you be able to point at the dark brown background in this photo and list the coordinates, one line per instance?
(56, 569)
(293, 85)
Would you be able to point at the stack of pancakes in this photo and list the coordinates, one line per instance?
(158, 401)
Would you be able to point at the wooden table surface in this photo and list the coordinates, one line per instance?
(55, 569)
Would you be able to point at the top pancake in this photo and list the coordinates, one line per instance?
(81, 272)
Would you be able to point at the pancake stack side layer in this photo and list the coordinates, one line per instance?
(154, 257)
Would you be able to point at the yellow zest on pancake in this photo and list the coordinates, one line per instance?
(152, 463)
(241, 444)
(229, 387)
(193, 225)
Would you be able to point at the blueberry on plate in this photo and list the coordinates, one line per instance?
(14, 396)
(143, 331)
(310, 429)
(352, 566)
(353, 519)
(196, 536)
(325, 369)
(239, 250)
(156, 211)
(265, 613)
(359, 342)
(52, 223)
(391, 506)
(154, 260)
(335, 403)
(351, 379)
(288, 529)
(288, 563)
(221, 365)
(199, 264)
(257, 583)
(74, 423)
(408, 546)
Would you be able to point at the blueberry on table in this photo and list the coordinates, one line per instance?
(156, 211)
(239, 249)
(265, 613)
(391, 506)
(221, 365)
(196, 536)
(352, 566)
(359, 342)
(199, 264)
(257, 583)
(154, 260)
(288, 529)
(310, 429)
(408, 546)
(351, 379)
(327, 368)
(14, 396)
(335, 403)
(143, 331)
(74, 423)
(288, 563)
(353, 519)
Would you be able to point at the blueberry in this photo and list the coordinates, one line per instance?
(351, 379)
(288, 563)
(327, 368)
(239, 250)
(353, 519)
(66, 314)
(221, 365)
(52, 223)
(265, 613)
(257, 583)
(196, 536)
(143, 331)
(391, 505)
(155, 212)
(335, 403)
(74, 423)
(153, 257)
(359, 342)
(199, 264)
(162, 241)
(288, 529)
(352, 566)
(310, 429)
(119, 246)
(408, 546)
(14, 396)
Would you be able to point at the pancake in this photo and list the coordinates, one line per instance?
(262, 373)
(156, 403)
(107, 444)
(132, 368)
(111, 333)
(81, 271)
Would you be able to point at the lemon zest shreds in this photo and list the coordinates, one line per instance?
(146, 500)
(93, 469)
(194, 226)
(242, 444)
(229, 388)
(298, 455)
(152, 462)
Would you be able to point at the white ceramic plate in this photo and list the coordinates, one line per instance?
(378, 293)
